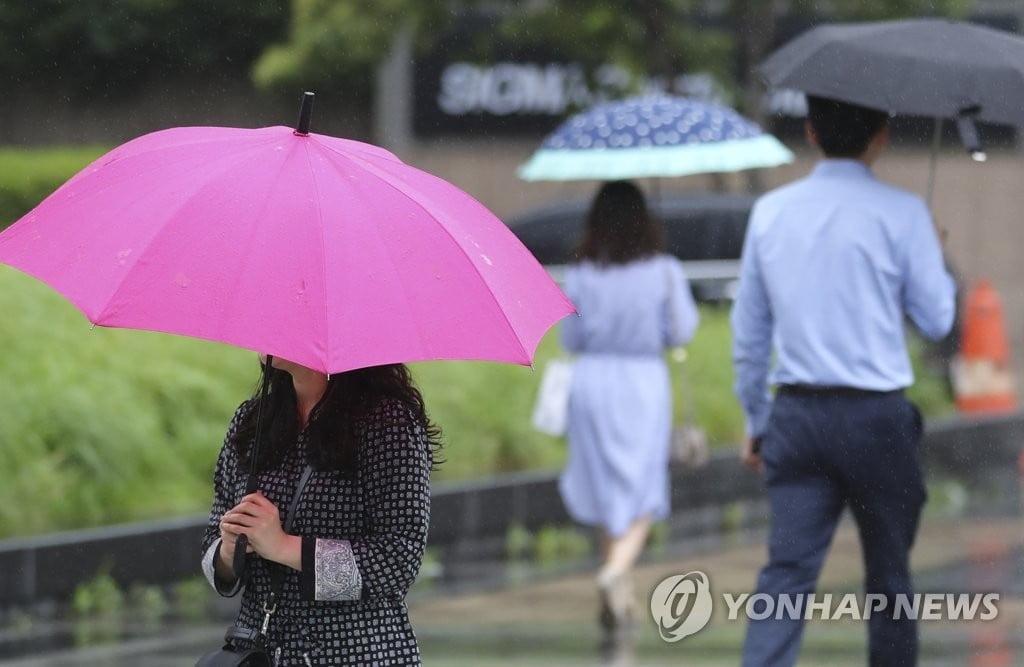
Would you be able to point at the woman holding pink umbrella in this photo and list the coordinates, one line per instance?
(336, 255)
(358, 528)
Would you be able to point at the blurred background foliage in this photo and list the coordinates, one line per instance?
(339, 43)
(867, 10)
(85, 47)
(81, 48)
(29, 175)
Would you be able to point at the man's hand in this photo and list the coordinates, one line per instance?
(749, 454)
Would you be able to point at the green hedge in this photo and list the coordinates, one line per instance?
(26, 176)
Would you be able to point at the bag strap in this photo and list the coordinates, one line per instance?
(236, 633)
(277, 571)
(678, 352)
(290, 517)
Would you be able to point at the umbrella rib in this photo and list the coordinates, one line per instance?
(323, 253)
(268, 196)
(384, 177)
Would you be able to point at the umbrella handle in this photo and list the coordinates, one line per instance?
(239, 563)
(969, 134)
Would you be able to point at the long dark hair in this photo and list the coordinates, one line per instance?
(333, 427)
(619, 228)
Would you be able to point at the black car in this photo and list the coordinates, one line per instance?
(705, 230)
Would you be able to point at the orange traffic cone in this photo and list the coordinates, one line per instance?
(983, 380)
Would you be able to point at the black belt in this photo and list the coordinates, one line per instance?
(831, 391)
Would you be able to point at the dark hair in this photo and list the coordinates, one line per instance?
(333, 427)
(619, 227)
(843, 129)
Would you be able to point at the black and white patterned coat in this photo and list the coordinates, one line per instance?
(363, 538)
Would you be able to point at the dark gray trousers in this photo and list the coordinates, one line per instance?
(823, 453)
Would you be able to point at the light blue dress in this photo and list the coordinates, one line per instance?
(620, 405)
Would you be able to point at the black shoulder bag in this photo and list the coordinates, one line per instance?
(232, 656)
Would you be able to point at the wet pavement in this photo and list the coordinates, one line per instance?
(552, 622)
(529, 616)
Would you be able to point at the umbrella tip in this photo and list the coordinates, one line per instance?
(305, 114)
(969, 134)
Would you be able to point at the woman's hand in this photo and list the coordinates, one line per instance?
(224, 566)
(258, 519)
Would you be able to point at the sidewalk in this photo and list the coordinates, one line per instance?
(550, 619)
(551, 622)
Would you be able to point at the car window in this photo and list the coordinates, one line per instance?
(706, 234)
(705, 227)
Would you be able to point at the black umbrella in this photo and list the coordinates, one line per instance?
(920, 67)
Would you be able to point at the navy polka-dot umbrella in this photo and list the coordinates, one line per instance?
(653, 137)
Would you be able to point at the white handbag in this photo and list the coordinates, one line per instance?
(551, 409)
(688, 443)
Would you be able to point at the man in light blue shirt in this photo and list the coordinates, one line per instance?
(832, 266)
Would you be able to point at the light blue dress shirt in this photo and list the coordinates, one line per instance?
(830, 266)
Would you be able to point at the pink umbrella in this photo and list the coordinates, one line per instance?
(328, 252)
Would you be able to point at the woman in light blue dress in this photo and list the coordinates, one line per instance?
(634, 302)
